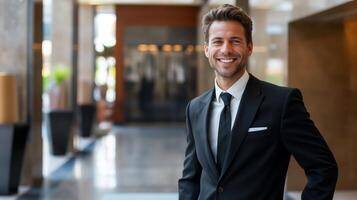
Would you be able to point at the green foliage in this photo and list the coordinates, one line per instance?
(60, 74)
(45, 82)
(57, 75)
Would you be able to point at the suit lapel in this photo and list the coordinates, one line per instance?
(202, 119)
(250, 102)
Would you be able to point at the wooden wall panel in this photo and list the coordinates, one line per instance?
(351, 42)
(320, 65)
(136, 15)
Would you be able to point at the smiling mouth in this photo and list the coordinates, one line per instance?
(226, 60)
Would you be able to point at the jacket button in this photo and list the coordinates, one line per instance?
(220, 189)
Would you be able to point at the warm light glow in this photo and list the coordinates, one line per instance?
(153, 48)
(143, 48)
(190, 48)
(167, 48)
(177, 47)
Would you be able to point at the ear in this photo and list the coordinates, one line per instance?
(205, 46)
(250, 48)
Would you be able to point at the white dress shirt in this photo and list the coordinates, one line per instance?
(217, 105)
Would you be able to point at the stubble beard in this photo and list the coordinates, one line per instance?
(238, 69)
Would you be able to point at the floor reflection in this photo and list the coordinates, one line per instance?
(105, 163)
(149, 159)
(131, 161)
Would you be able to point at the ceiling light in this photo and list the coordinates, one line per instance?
(285, 6)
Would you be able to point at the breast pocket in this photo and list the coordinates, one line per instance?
(259, 132)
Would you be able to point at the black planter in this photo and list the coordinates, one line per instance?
(86, 114)
(12, 142)
(59, 125)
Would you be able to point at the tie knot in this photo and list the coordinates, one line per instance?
(226, 97)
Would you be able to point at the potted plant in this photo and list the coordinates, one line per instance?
(86, 109)
(59, 118)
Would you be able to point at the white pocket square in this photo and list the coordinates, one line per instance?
(255, 129)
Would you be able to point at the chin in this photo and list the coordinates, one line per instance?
(230, 74)
(226, 74)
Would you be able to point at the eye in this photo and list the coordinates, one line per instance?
(216, 42)
(236, 41)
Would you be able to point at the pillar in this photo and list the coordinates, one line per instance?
(260, 39)
(15, 44)
(86, 54)
(205, 74)
(21, 54)
(62, 39)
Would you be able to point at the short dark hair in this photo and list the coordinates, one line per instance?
(227, 12)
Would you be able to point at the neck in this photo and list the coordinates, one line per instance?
(225, 83)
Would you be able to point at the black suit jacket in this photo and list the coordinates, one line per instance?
(256, 163)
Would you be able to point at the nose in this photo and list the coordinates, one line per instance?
(227, 48)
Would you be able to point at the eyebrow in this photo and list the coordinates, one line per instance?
(217, 38)
(237, 37)
(234, 37)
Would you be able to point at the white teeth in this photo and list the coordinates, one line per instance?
(226, 60)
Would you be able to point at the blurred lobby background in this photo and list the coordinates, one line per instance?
(93, 92)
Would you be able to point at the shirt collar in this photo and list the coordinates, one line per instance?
(236, 90)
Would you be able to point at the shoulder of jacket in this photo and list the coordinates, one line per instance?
(201, 97)
(274, 89)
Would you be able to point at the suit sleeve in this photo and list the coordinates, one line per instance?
(189, 184)
(301, 137)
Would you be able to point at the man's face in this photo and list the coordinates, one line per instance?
(227, 49)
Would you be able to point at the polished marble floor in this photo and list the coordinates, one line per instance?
(130, 163)
(135, 162)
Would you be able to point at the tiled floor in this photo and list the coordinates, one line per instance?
(130, 163)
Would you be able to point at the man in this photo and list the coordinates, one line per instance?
(242, 132)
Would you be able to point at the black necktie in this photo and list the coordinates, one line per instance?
(224, 130)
